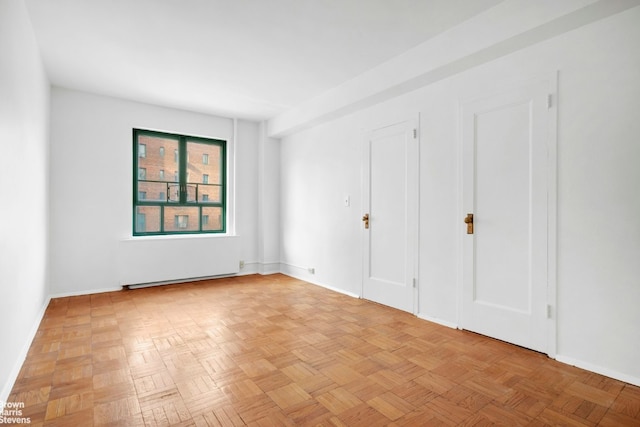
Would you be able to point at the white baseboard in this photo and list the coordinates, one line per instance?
(303, 274)
(269, 268)
(13, 375)
(446, 323)
(598, 369)
(84, 292)
(249, 268)
(263, 268)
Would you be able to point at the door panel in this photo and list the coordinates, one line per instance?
(387, 208)
(504, 140)
(502, 208)
(390, 200)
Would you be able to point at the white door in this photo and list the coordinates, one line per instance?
(390, 202)
(505, 187)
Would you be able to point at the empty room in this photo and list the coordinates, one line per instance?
(305, 213)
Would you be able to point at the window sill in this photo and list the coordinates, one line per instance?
(181, 237)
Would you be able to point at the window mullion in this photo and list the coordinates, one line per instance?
(182, 169)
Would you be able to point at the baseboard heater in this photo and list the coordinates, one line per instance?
(148, 262)
(173, 282)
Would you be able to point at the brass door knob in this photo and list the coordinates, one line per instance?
(469, 221)
(365, 219)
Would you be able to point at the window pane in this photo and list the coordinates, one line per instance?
(204, 164)
(191, 193)
(173, 190)
(181, 218)
(153, 191)
(209, 193)
(214, 219)
(147, 219)
(154, 160)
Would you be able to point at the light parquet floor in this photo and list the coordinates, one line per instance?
(276, 351)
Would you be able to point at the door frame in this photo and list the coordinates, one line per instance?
(549, 81)
(413, 208)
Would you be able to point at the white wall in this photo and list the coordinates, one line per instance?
(268, 215)
(91, 186)
(598, 276)
(24, 122)
(318, 168)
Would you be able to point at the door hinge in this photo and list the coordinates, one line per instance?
(415, 133)
(549, 311)
(550, 100)
(414, 282)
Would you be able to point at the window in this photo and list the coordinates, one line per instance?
(181, 221)
(141, 223)
(191, 201)
(142, 150)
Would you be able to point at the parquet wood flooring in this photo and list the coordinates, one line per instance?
(276, 351)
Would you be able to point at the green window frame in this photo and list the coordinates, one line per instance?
(187, 203)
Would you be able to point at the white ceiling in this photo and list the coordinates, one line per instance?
(250, 59)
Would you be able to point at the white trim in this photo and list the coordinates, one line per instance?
(446, 323)
(231, 180)
(416, 244)
(598, 369)
(255, 267)
(85, 292)
(552, 214)
(22, 356)
(179, 237)
(303, 274)
(460, 234)
(251, 267)
(269, 268)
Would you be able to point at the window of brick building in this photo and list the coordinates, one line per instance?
(181, 221)
(191, 201)
(141, 222)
